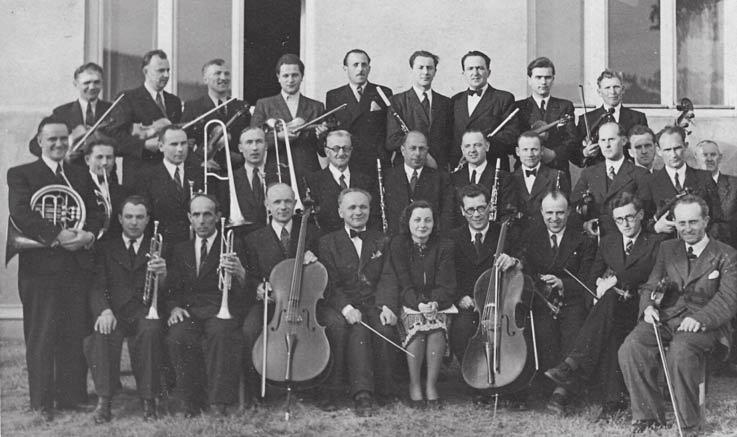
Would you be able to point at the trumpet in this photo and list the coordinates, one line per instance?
(380, 173)
(151, 287)
(224, 278)
(273, 123)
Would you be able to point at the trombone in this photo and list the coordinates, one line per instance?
(272, 123)
(151, 288)
(225, 279)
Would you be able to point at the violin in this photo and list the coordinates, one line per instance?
(541, 128)
(497, 356)
(623, 294)
(215, 143)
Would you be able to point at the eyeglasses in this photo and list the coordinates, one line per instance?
(479, 209)
(628, 218)
(336, 149)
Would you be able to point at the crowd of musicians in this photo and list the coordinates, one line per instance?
(423, 195)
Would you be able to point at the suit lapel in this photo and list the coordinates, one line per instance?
(639, 249)
(723, 189)
(483, 104)
(120, 254)
(680, 262)
(141, 255)
(703, 264)
(620, 179)
(541, 182)
(213, 258)
(598, 184)
(283, 109)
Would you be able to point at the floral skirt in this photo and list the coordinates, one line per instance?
(415, 323)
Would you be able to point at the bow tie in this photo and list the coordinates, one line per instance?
(354, 234)
(472, 92)
(532, 172)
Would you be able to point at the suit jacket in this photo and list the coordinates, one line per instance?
(365, 120)
(508, 196)
(325, 190)
(630, 178)
(727, 191)
(199, 294)
(139, 107)
(195, 108)
(433, 186)
(708, 290)
(528, 202)
(305, 147)
(576, 253)
(438, 128)
(628, 118)
(352, 280)
(71, 114)
(494, 107)
(409, 278)
(469, 265)
(561, 140)
(253, 210)
(23, 182)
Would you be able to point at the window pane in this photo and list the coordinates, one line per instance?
(634, 47)
(128, 34)
(562, 44)
(203, 33)
(700, 39)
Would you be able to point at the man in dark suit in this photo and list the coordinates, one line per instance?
(53, 280)
(611, 90)
(204, 341)
(623, 262)
(541, 109)
(99, 155)
(414, 180)
(136, 121)
(365, 115)
(642, 143)
(216, 75)
(424, 110)
(295, 109)
(694, 320)
(353, 257)
(82, 113)
(675, 178)
(546, 252)
(603, 181)
(117, 302)
(167, 187)
(325, 185)
(709, 156)
(485, 108)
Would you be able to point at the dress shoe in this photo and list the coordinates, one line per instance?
(363, 404)
(611, 411)
(102, 412)
(557, 404)
(384, 400)
(191, 410)
(564, 376)
(419, 404)
(640, 426)
(149, 410)
(219, 410)
(329, 403)
(435, 404)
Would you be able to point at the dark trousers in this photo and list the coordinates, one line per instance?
(686, 357)
(206, 355)
(54, 326)
(367, 358)
(145, 346)
(464, 326)
(556, 337)
(603, 332)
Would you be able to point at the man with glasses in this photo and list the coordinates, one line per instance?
(325, 185)
(623, 262)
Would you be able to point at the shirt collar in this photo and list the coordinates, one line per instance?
(249, 169)
(616, 164)
(152, 91)
(171, 168)
(348, 230)
(94, 178)
(672, 173)
(524, 169)
(698, 247)
(633, 239)
(474, 232)
(617, 110)
(336, 173)
(419, 92)
(479, 168)
(408, 171)
(716, 176)
(538, 100)
(136, 245)
(559, 234)
(83, 103)
(214, 99)
(52, 164)
(210, 240)
(290, 97)
(278, 226)
(483, 90)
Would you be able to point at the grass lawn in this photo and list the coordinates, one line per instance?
(459, 417)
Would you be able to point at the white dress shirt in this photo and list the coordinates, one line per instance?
(558, 236)
(292, 102)
(616, 164)
(354, 88)
(171, 168)
(530, 180)
(617, 111)
(626, 240)
(198, 246)
(83, 103)
(249, 173)
(538, 100)
(479, 170)
(52, 164)
(473, 101)
(671, 172)
(136, 244)
(698, 247)
(409, 170)
(277, 227)
(419, 92)
(474, 232)
(152, 92)
(337, 174)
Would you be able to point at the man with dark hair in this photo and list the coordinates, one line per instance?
(295, 109)
(693, 319)
(483, 107)
(623, 262)
(425, 110)
(118, 302)
(611, 90)
(541, 109)
(82, 113)
(139, 116)
(642, 143)
(365, 115)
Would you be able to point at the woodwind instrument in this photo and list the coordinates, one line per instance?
(494, 201)
(380, 173)
(225, 279)
(191, 196)
(151, 287)
(392, 111)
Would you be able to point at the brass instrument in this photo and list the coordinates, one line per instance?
(557, 180)
(104, 200)
(380, 173)
(60, 204)
(235, 216)
(151, 287)
(494, 201)
(224, 278)
(273, 123)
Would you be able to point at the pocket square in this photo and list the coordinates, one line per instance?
(714, 274)
(376, 254)
(375, 106)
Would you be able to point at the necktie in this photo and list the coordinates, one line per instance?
(60, 174)
(178, 179)
(203, 256)
(89, 116)
(473, 177)
(426, 104)
(100, 179)
(611, 173)
(679, 187)
(690, 254)
(477, 242)
(532, 172)
(413, 181)
(132, 250)
(160, 103)
(628, 248)
(222, 109)
(284, 240)
(257, 188)
(359, 90)
(474, 92)
(554, 241)
(359, 234)
(342, 183)
(542, 108)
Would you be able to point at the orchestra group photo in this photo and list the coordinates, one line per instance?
(370, 261)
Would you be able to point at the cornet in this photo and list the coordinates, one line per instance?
(224, 278)
(151, 287)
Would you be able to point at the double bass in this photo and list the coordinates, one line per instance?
(498, 356)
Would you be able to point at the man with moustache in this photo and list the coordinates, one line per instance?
(693, 322)
(327, 184)
(642, 143)
(365, 116)
(483, 107)
(710, 157)
(422, 109)
(353, 257)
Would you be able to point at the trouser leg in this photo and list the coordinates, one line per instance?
(384, 354)
(223, 346)
(686, 362)
(146, 350)
(252, 329)
(464, 326)
(103, 357)
(640, 363)
(185, 350)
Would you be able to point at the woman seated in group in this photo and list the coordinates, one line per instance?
(419, 274)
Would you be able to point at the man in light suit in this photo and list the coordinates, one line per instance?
(365, 115)
(422, 109)
(483, 107)
(296, 109)
(693, 320)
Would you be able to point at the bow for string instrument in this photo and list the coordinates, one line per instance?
(297, 349)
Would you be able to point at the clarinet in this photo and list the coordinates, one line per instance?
(494, 203)
(384, 224)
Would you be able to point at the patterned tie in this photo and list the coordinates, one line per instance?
(359, 90)
(554, 241)
(542, 108)
(89, 116)
(426, 104)
(477, 243)
(679, 187)
(628, 248)
(203, 256)
(611, 173)
(132, 250)
(178, 179)
(413, 181)
(257, 187)
(690, 254)
(473, 177)
(284, 240)
(160, 103)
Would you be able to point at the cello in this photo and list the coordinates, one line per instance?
(497, 357)
(296, 346)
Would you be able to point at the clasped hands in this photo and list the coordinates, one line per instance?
(74, 239)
